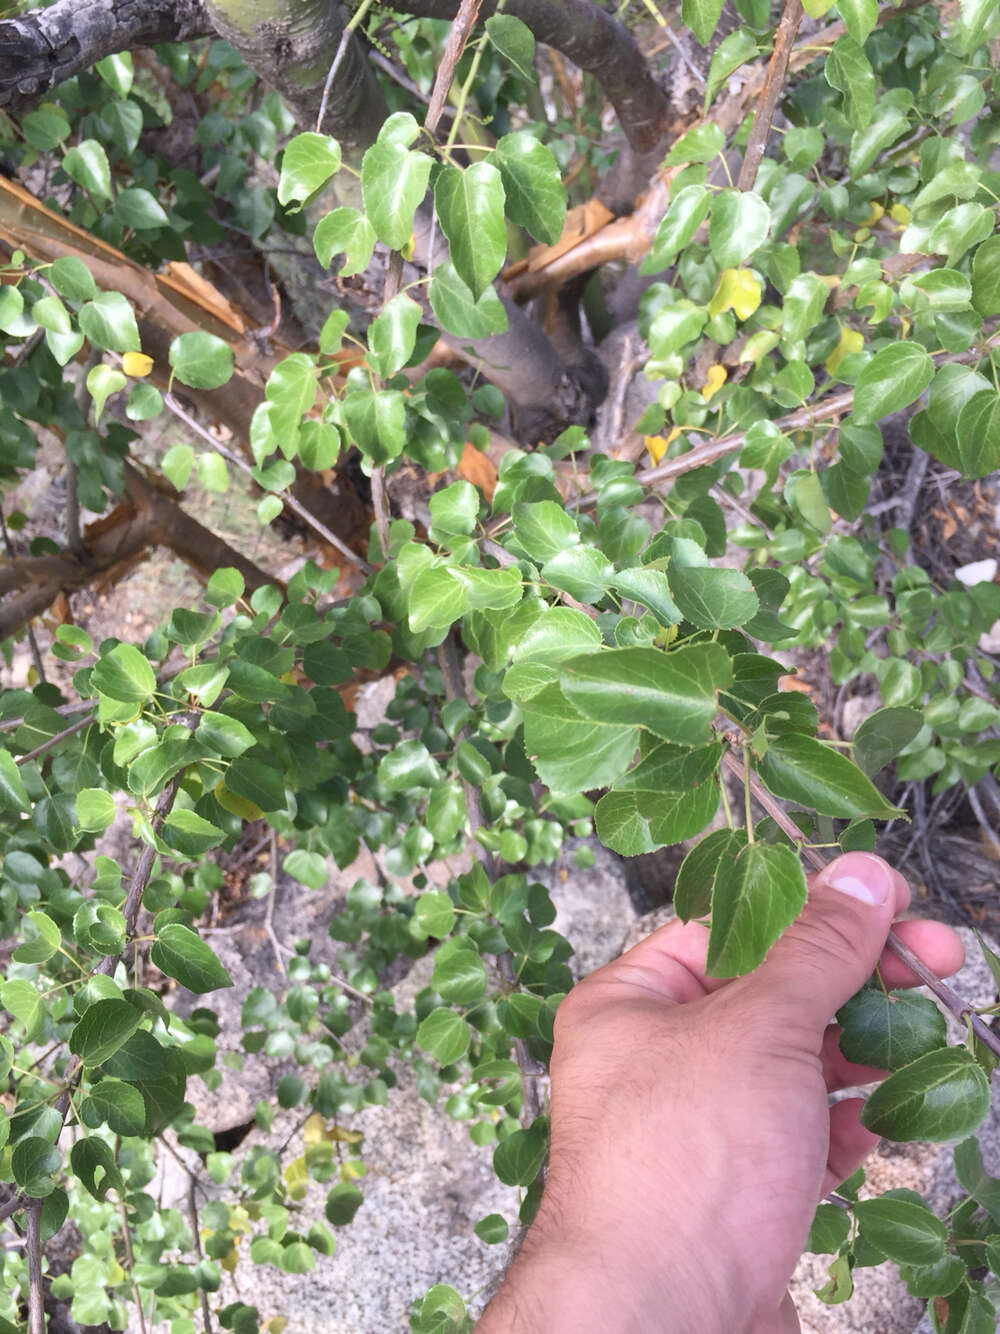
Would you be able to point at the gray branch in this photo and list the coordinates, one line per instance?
(42, 48)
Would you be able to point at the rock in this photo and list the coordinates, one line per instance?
(593, 906)
(977, 572)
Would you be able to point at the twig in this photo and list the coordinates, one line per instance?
(981, 816)
(192, 1203)
(36, 1289)
(770, 94)
(54, 740)
(130, 1262)
(952, 1002)
(12, 1206)
(345, 38)
(380, 505)
(287, 499)
(458, 35)
(908, 496)
(837, 405)
(12, 724)
(269, 911)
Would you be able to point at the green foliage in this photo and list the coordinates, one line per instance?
(623, 652)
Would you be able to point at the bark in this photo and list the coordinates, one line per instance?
(45, 46)
(147, 518)
(292, 44)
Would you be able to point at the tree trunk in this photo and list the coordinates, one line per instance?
(292, 44)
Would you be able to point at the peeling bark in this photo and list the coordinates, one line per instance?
(45, 46)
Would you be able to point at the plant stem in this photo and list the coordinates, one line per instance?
(770, 94)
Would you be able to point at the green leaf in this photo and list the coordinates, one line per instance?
(433, 915)
(739, 225)
(392, 334)
(971, 1172)
(342, 1203)
(181, 954)
(376, 422)
(93, 1161)
(102, 382)
(393, 183)
(35, 1163)
(569, 752)
(860, 17)
(701, 144)
(308, 162)
(693, 890)
(515, 41)
(21, 999)
(144, 403)
(213, 473)
(688, 210)
(72, 279)
(189, 834)
(674, 326)
(95, 809)
(137, 208)
(348, 232)
(652, 589)
(941, 1096)
(533, 188)
(889, 1031)
(634, 821)
(176, 464)
(459, 973)
(118, 1104)
(492, 1229)
(444, 1035)
(715, 599)
(470, 208)
(103, 1028)
(109, 322)
(802, 769)
(849, 70)
(518, 1159)
(42, 938)
(454, 510)
(582, 571)
(308, 868)
(409, 765)
(124, 675)
(13, 793)
(733, 51)
(937, 1280)
(830, 1228)
(542, 529)
(671, 694)
(701, 16)
(903, 1230)
(986, 277)
(201, 360)
(87, 164)
(458, 311)
(883, 735)
(978, 434)
(755, 896)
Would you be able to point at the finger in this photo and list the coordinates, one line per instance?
(670, 963)
(850, 1143)
(939, 947)
(832, 948)
(838, 1071)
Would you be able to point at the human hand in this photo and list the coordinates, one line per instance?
(691, 1132)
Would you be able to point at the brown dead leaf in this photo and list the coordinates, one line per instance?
(477, 468)
(794, 683)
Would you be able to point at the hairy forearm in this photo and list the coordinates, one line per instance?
(41, 48)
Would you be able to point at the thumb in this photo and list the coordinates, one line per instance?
(833, 946)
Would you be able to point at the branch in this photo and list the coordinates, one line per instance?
(951, 1000)
(595, 42)
(827, 409)
(458, 35)
(770, 94)
(46, 46)
(36, 1289)
(54, 740)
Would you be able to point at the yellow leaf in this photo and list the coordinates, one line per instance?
(714, 381)
(352, 1170)
(296, 1178)
(658, 444)
(817, 8)
(241, 806)
(276, 1324)
(738, 290)
(877, 212)
(411, 245)
(137, 364)
(900, 214)
(230, 1261)
(314, 1130)
(850, 341)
